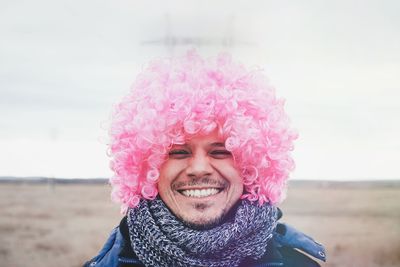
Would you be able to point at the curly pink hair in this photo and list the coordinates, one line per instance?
(176, 98)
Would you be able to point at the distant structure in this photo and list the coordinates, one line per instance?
(172, 40)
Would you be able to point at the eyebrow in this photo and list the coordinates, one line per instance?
(218, 144)
(215, 144)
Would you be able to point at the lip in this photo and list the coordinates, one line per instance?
(199, 188)
(220, 190)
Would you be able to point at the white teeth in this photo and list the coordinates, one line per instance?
(200, 192)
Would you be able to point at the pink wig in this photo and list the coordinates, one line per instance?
(174, 99)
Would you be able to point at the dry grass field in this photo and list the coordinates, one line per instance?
(64, 225)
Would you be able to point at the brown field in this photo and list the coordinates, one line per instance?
(64, 225)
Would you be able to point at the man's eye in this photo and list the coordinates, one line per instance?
(221, 153)
(178, 153)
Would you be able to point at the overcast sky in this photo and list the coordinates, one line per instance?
(64, 63)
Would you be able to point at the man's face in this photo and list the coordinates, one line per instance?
(199, 182)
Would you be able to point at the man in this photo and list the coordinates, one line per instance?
(201, 155)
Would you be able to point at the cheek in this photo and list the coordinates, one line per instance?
(229, 171)
(164, 189)
(168, 173)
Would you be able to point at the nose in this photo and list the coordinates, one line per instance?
(199, 166)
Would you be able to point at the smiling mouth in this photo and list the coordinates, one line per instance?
(200, 192)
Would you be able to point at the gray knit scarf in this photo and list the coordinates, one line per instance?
(159, 239)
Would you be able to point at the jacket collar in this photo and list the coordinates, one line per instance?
(287, 236)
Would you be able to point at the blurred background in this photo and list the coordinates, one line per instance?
(63, 64)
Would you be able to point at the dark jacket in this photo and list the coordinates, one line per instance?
(283, 250)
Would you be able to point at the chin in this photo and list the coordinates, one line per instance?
(203, 223)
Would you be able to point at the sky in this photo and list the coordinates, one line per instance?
(64, 64)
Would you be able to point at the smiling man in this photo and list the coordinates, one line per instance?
(201, 155)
